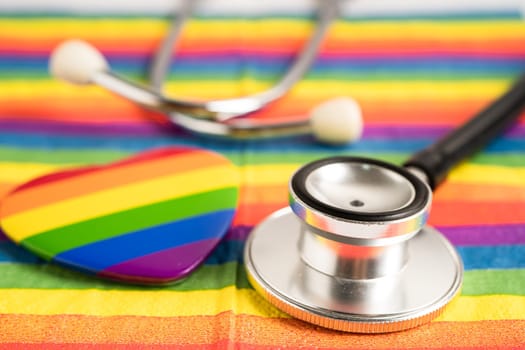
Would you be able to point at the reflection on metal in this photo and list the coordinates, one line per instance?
(352, 252)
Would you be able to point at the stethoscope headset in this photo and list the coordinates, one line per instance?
(80, 63)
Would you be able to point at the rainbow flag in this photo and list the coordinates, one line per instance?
(416, 76)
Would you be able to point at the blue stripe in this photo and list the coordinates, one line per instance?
(229, 60)
(230, 64)
(226, 251)
(304, 143)
(455, 15)
(10, 252)
(474, 257)
(100, 255)
(493, 257)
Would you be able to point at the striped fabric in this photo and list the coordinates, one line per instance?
(416, 76)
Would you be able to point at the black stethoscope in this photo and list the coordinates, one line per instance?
(352, 251)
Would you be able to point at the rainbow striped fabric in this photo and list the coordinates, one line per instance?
(416, 77)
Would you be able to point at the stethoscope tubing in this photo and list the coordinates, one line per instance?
(373, 266)
(438, 159)
(221, 110)
(163, 56)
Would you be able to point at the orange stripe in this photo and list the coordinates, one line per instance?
(116, 175)
(279, 45)
(481, 193)
(264, 194)
(253, 213)
(117, 110)
(480, 213)
(5, 188)
(450, 192)
(247, 329)
(78, 109)
(442, 213)
(385, 111)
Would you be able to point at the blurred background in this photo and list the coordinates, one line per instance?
(417, 69)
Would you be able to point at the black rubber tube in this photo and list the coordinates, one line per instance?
(437, 159)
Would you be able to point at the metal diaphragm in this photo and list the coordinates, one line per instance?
(352, 252)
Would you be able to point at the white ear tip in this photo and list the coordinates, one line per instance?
(337, 121)
(76, 61)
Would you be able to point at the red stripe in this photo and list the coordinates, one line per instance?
(333, 46)
(68, 174)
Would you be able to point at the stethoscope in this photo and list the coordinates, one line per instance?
(352, 251)
(80, 63)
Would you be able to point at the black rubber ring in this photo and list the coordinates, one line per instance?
(419, 202)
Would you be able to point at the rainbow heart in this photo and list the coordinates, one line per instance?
(151, 218)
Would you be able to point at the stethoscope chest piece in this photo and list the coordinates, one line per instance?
(352, 252)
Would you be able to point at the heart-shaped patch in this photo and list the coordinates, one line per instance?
(151, 218)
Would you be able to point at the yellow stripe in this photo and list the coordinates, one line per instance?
(276, 174)
(272, 174)
(266, 28)
(488, 174)
(484, 308)
(211, 302)
(11, 172)
(424, 30)
(146, 303)
(133, 195)
(267, 174)
(13, 90)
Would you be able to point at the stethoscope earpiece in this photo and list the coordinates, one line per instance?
(352, 252)
(337, 121)
(77, 62)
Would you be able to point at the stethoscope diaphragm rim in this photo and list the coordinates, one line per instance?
(419, 202)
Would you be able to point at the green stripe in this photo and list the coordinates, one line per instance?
(50, 276)
(503, 159)
(75, 157)
(261, 75)
(50, 243)
(483, 282)
(58, 156)
(71, 157)
(285, 157)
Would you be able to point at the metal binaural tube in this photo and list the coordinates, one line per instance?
(163, 56)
